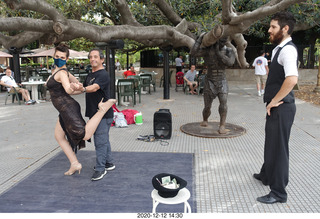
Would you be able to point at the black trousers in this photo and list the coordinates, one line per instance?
(178, 69)
(275, 169)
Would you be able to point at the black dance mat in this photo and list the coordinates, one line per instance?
(127, 189)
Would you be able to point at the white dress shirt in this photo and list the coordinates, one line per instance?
(9, 81)
(287, 58)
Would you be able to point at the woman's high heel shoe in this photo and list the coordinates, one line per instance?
(105, 106)
(75, 166)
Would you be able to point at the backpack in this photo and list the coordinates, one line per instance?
(119, 120)
(127, 113)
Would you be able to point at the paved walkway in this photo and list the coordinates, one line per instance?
(223, 167)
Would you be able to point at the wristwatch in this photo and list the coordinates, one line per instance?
(85, 89)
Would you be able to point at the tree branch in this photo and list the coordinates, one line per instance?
(22, 23)
(126, 15)
(304, 26)
(19, 40)
(172, 16)
(227, 11)
(128, 19)
(241, 49)
(60, 24)
(270, 8)
(151, 35)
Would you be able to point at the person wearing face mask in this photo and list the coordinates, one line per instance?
(71, 130)
(280, 107)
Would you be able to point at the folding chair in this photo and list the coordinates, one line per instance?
(14, 95)
(125, 88)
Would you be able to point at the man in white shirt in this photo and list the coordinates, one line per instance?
(189, 78)
(118, 66)
(280, 107)
(9, 82)
(179, 64)
(261, 70)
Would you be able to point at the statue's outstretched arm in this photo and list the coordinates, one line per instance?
(196, 49)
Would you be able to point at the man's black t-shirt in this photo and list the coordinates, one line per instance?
(102, 78)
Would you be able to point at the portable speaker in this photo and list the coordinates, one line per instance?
(162, 124)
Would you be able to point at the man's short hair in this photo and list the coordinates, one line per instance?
(100, 53)
(285, 18)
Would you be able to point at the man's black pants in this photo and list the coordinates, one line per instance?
(275, 170)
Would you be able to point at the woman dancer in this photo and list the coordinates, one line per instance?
(61, 85)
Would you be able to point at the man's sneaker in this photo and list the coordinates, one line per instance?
(259, 93)
(33, 101)
(98, 175)
(108, 166)
(29, 102)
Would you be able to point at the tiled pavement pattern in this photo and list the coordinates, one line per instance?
(223, 167)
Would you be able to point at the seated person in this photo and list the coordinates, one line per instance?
(1, 74)
(203, 71)
(9, 82)
(130, 72)
(189, 77)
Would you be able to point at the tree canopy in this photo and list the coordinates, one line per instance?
(150, 23)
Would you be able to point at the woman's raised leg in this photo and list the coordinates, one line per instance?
(93, 123)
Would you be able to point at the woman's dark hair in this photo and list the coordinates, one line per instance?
(100, 53)
(62, 48)
(285, 18)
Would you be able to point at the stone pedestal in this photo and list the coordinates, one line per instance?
(212, 130)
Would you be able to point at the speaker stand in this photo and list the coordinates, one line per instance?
(212, 130)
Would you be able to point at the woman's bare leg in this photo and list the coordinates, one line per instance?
(59, 134)
(93, 123)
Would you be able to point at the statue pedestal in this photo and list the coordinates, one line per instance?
(212, 130)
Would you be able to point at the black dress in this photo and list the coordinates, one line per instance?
(70, 116)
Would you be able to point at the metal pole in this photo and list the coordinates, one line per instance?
(166, 89)
(15, 64)
(110, 61)
(317, 89)
(127, 60)
(111, 70)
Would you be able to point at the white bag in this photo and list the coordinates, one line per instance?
(119, 120)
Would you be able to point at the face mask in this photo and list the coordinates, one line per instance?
(59, 62)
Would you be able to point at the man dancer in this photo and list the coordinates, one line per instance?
(279, 98)
(97, 86)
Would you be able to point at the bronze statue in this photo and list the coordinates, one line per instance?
(217, 57)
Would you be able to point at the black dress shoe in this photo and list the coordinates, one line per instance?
(258, 177)
(268, 199)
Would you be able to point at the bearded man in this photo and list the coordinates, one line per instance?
(280, 107)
